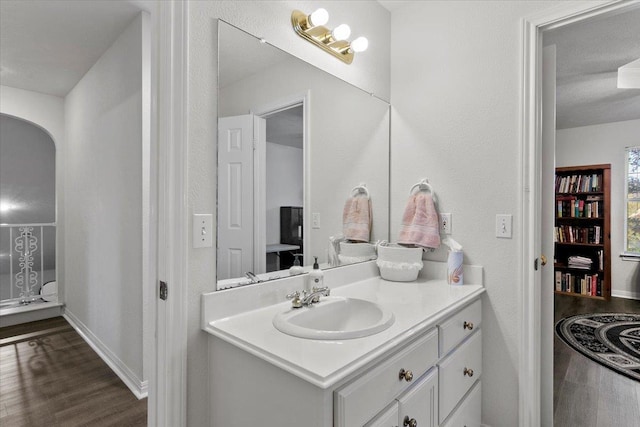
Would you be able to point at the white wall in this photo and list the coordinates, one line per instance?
(598, 144)
(271, 20)
(455, 92)
(284, 184)
(104, 187)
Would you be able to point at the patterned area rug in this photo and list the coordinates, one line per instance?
(611, 339)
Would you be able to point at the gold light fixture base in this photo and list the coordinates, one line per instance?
(321, 37)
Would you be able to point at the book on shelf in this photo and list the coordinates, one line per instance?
(600, 259)
(579, 262)
(578, 183)
(587, 284)
(572, 207)
(571, 234)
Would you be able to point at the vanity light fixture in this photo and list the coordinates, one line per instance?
(311, 28)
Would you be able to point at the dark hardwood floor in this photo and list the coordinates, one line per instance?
(49, 376)
(585, 393)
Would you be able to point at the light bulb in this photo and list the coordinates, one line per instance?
(341, 32)
(360, 44)
(319, 17)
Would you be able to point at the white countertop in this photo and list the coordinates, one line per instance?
(280, 247)
(417, 307)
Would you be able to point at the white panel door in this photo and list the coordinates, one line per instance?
(235, 196)
(547, 224)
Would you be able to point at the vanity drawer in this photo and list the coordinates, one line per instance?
(469, 413)
(458, 372)
(387, 418)
(361, 399)
(459, 326)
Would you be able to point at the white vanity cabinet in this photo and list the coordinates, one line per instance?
(427, 374)
(453, 369)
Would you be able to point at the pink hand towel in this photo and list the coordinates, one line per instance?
(420, 225)
(356, 219)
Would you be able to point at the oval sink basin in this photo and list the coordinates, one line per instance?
(335, 318)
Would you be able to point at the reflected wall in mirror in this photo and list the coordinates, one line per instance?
(293, 143)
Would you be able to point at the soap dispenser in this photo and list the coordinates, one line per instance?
(296, 268)
(316, 276)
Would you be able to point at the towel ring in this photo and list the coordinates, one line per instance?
(362, 188)
(423, 185)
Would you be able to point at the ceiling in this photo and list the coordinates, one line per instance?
(589, 54)
(47, 46)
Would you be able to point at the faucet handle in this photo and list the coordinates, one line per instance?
(296, 302)
(324, 289)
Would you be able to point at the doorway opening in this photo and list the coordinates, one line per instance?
(284, 187)
(536, 404)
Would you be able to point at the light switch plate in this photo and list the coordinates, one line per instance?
(504, 226)
(202, 230)
(315, 220)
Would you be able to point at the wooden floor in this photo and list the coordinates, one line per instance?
(49, 376)
(585, 393)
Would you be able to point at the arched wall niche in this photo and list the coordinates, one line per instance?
(41, 110)
(34, 124)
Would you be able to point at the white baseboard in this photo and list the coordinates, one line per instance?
(138, 388)
(625, 294)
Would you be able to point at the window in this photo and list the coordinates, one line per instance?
(632, 237)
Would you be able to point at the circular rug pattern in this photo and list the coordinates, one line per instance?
(611, 339)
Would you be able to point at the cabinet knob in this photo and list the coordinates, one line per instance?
(410, 422)
(468, 371)
(406, 375)
(467, 325)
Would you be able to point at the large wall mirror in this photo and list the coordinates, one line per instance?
(294, 143)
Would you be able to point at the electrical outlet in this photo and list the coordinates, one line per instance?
(315, 220)
(445, 223)
(503, 226)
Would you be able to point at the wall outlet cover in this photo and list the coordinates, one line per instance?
(445, 223)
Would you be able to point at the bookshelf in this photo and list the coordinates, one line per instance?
(582, 234)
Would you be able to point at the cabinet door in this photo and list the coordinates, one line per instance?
(469, 413)
(387, 418)
(420, 402)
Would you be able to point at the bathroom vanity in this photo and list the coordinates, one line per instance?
(423, 370)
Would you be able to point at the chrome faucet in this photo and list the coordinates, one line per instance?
(306, 299)
(252, 277)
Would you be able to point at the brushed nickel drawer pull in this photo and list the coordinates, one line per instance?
(467, 325)
(406, 375)
(410, 422)
(468, 371)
